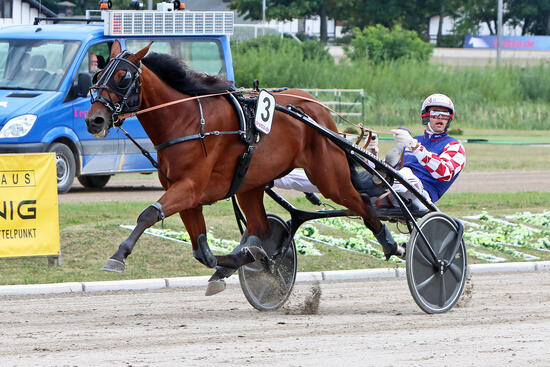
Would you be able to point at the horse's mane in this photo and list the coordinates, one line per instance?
(179, 76)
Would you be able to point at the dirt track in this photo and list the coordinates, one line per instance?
(148, 188)
(362, 323)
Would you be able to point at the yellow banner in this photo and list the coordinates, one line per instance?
(29, 215)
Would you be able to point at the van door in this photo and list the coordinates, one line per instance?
(99, 156)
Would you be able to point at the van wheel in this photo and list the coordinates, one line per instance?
(65, 166)
(94, 182)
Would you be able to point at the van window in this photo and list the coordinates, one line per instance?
(35, 64)
(96, 58)
(201, 55)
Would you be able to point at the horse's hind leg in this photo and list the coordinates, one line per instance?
(338, 187)
(146, 219)
(249, 249)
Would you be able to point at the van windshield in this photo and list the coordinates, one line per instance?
(201, 55)
(31, 64)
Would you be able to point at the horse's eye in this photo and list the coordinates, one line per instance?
(95, 77)
(126, 80)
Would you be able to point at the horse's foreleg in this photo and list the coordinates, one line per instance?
(146, 219)
(171, 202)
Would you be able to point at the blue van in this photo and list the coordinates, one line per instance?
(45, 74)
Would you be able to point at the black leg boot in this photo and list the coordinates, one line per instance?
(389, 245)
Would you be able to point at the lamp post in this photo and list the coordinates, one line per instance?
(263, 17)
(499, 29)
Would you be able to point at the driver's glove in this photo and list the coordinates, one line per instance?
(404, 138)
(373, 145)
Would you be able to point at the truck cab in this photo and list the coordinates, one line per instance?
(46, 71)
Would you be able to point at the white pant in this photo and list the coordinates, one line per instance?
(296, 180)
(408, 175)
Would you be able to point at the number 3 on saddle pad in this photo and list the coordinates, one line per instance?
(265, 109)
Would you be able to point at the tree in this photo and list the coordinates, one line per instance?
(532, 15)
(412, 14)
(284, 10)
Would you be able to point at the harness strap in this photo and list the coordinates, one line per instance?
(194, 137)
(145, 153)
(242, 167)
(202, 128)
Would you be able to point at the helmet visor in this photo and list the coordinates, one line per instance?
(438, 115)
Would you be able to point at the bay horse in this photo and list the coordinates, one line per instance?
(195, 172)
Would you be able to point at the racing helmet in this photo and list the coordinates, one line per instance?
(436, 100)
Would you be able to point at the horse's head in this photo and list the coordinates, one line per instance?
(116, 90)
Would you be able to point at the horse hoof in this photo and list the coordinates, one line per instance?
(215, 286)
(256, 252)
(114, 266)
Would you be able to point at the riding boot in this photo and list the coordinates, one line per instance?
(389, 245)
(364, 182)
(394, 156)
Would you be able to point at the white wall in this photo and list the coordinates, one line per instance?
(22, 14)
(448, 25)
(314, 24)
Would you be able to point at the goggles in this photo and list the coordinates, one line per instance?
(438, 115)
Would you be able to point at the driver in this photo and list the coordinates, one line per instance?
(432, 161)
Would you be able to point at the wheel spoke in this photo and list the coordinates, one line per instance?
(423, 256)
(421, 286)
(252, 268)
(445, 243)
(442, 293)
(282, 278)
(261, 294)
(456, 271)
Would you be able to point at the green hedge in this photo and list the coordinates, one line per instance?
(379, 44)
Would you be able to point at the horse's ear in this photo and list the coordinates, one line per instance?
(141, 53)
(116, 49)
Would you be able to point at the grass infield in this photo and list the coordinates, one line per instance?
(90, 233)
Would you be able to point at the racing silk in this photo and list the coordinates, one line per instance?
(437, 162)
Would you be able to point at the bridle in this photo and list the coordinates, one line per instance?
(128, 89)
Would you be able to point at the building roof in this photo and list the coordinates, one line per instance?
(66, 4)
(214, 5)
(41, 8)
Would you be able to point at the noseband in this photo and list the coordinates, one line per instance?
(128, 89)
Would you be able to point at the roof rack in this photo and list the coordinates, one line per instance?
(56, 20)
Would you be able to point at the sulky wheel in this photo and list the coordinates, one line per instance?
(436, 288)
(267, 286)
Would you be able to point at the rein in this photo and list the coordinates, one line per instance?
(152, 108)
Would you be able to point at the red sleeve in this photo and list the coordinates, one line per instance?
(446, 165)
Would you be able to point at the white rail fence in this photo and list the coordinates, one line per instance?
(349, 103)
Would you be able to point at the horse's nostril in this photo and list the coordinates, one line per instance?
(98, 121)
